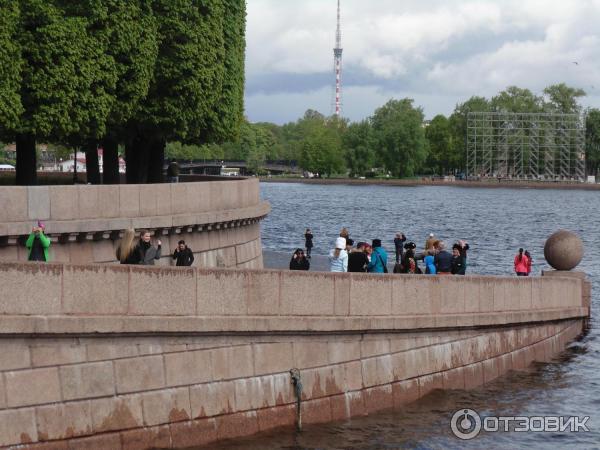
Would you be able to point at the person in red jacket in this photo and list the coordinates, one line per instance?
(521, 264)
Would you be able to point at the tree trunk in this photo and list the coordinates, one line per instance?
(156, 160)
(91, 162)
(136, 153)
(26, 160)
(110, 161)
(130, 163)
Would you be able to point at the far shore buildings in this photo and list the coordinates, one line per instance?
(48, 162)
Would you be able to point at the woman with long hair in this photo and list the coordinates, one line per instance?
(521, 264)
(127, 251)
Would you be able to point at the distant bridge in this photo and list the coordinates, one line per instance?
(214, 167)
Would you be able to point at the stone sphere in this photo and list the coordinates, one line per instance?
(563, 250)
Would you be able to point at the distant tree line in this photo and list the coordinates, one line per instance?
(394, 140)
(135, 73)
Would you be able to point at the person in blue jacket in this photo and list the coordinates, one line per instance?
(430, 265)
(379, 258)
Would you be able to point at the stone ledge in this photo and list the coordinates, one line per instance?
(96, 229)
(11, 325)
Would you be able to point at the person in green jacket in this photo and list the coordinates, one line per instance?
(38, 244)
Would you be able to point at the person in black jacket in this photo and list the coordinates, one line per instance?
(459, 258)
(399, 244)
(299, 261)
(443, 260)
(409, 260)
(358, 259)
(183, 254)
(308, 237)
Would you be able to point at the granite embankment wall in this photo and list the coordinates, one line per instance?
(218, 219)
(484, 183)
(106, 356)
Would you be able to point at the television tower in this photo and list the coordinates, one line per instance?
(337, 64)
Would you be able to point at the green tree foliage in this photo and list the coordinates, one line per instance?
(65, 84)
(515, 99)
(187, 73)
(319, 144)
(138, 72)
(191, 152)
(96, 69)
(10, 68)
(359, 145)
(131, 39)
(441, 159)
(266, 139)
(186, 86)
(398, 129)
(592, 141)
(255, 145)
(563, 99)
(227, 113)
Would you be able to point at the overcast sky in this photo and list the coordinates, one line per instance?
(438, 52)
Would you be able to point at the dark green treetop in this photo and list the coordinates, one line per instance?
(188, 72)
(67, 78)
(10, 67)
(226, 115)
(398, 130)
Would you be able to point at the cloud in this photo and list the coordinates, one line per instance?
(444, 49)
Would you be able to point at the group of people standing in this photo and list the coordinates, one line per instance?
(437, 260)
(345, 257)
(523, 262)
(372, 258)
(142, 251)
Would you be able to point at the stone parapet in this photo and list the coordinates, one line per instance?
(122, 298)
(116, 357)
(85, 222)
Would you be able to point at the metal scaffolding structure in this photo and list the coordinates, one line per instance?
(539, 146)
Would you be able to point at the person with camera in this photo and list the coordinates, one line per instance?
(299, 261)
(38, 244)
(308, 238)
(399, 245)
(183, 254)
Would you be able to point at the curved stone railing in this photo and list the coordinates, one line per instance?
(133, 299)
(130, 357)
(218, 219)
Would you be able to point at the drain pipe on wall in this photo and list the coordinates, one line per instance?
(297, 382)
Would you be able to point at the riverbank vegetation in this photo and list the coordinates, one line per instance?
(395, 140)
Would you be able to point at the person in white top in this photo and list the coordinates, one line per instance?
(338, 257)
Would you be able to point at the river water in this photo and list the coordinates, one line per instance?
(495, 222)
